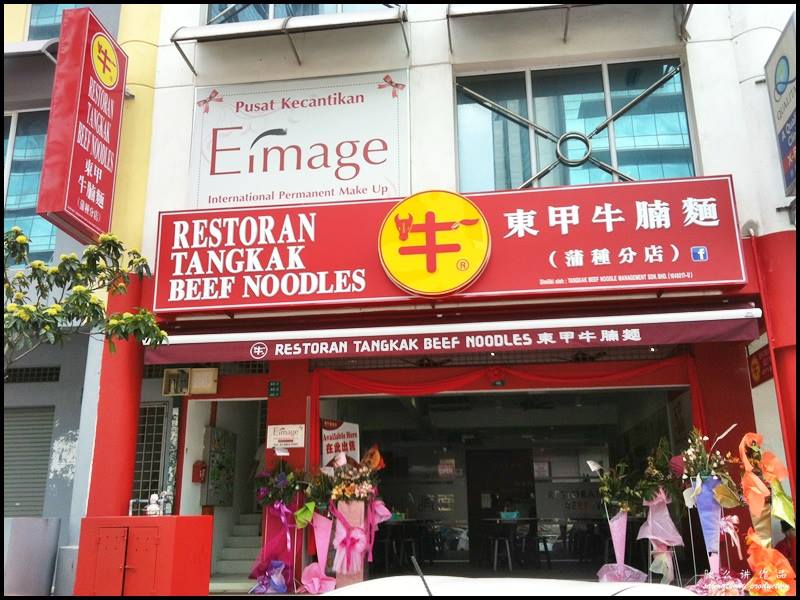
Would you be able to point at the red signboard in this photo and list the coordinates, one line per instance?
(760, 366)
(569, 335)
(80, 160)
(627, 236)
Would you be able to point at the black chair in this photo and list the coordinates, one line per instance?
(502, 536)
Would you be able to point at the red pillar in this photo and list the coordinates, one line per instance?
(776, 260)
(723, 376)
(114, 456)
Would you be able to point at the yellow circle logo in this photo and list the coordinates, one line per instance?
(434, 243)
(104, 60)
(755, 369)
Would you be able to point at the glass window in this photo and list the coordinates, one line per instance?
(257, 12)
(46, 20)
(494, 151)
(303, 10)
(567, 100)
(22, 190)
(239, 12)
(652, 139)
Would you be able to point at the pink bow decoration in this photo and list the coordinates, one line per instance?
(315, 581)
(214, 96)
(377, 513)
(730, 525)
(283, 512)
(350, 544)
(392, 84)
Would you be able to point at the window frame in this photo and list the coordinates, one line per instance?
(270, 14)
(12, 136)
(28, 17)
(604, 65)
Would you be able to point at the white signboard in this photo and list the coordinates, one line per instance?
(338, 436)
(286, 436)
(332, 139)
(781, 71)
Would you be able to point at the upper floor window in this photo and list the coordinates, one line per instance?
(46, 20)
(235, 13)
(23, 153)
(649, 140)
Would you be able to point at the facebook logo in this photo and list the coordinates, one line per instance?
(699, 253)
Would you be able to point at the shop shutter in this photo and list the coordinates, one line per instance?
(27, 441)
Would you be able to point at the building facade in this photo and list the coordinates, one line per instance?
(466, 97)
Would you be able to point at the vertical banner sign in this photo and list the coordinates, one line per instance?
(80, 159)
(338, 138)
(781, 70)
(338, 436)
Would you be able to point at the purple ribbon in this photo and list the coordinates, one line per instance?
(280, 510)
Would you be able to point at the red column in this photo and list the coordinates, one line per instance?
(114, 456)
(776, 260)
(723, 377)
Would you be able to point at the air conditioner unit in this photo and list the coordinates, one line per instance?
(182, 382)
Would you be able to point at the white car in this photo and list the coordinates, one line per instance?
(411, 585)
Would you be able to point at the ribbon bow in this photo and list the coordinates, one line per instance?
(729, 525)
(214, 96)
(392, 84)
(283, 512)
(351, 543)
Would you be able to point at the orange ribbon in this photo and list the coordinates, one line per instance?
(392, 84)
(772, 468)
(747, 442)
(772, 573)
(755, 492)
(214, 96)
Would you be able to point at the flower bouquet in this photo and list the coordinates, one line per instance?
(765, 498)
(616, 492)
(277, 491)
(710, 488)
(657, 488)
(358, 512)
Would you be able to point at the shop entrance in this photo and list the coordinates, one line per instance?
(496, 482)
(223, 442)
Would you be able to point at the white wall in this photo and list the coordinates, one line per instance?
(197, 418)
(65, 398)
(726, 53)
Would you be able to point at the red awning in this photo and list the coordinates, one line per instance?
(739, 324)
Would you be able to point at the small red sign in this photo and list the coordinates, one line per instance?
(80, 160)
(627, 236)
(760, 366)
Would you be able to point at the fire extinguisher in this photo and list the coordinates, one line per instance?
(199, 469)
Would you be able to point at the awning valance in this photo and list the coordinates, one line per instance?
(650, 329)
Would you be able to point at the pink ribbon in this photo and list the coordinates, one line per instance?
(214, 96)
(730, 526)
(280, 510)
(350, 543)
(392, 84)
(377, 513)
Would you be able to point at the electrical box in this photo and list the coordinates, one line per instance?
(182, 382)
(175, 382)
